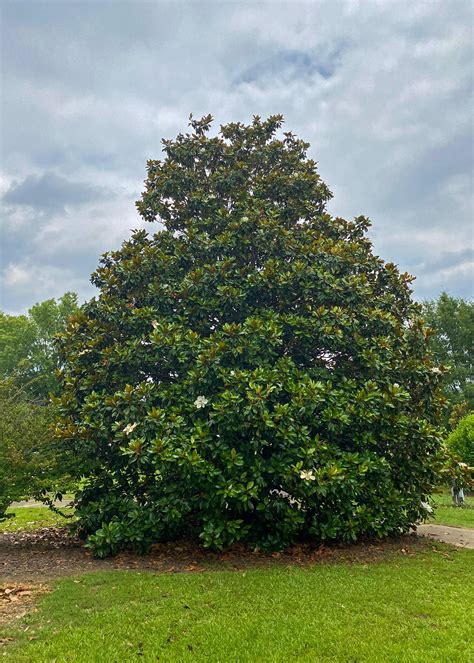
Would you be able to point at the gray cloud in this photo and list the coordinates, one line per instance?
(381, 90)
(52, 192)
(288, 64)
(449, 259)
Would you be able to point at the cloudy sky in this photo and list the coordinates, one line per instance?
(381, 90)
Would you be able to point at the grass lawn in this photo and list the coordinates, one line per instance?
(447, 514)
(413, 608)
(31, 518)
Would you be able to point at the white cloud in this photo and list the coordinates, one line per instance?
(16, 275)
(45, 281)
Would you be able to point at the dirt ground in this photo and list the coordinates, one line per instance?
(48, 553)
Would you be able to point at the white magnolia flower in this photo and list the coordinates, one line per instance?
(129, 428)
(155, 324)
(307, 475)
(294, 502)
(286, 496)
(436, 370)
(427, 507)
(201, 401)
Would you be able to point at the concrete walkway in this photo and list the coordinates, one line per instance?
(31, 503)
(456, 536)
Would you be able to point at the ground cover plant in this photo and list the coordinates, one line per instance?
(252, 371)
(401, 609)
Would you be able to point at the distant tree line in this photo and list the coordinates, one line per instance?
(452, 341)
(27, 348)
(30, 462)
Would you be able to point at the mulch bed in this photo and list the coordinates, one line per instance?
(50, 552)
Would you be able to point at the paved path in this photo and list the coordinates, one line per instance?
(31, 503)
(456, 536)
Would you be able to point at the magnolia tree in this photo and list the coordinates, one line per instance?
(252, 371)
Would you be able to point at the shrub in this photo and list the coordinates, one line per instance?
(252, 371)
(461, 440)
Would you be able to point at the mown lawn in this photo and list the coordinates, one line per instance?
(413, 608)
(31, 518)
(447, 514)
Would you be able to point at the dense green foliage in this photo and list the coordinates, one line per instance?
(461, 440)
(29, 462)
(452, 320)
(251, 371)
(27, 350)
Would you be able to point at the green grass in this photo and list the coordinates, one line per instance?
(30, 518)
(402, 609)
(447, 514)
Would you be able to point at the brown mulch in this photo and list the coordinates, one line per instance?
(16, 600)
(50, 552)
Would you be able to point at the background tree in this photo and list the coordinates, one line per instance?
(252, 371)
(30, 465)
(461, 440)
(27, 350)
(452, 320)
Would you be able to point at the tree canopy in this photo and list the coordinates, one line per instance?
(452, 320)
(251, 371)
(27, 350)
